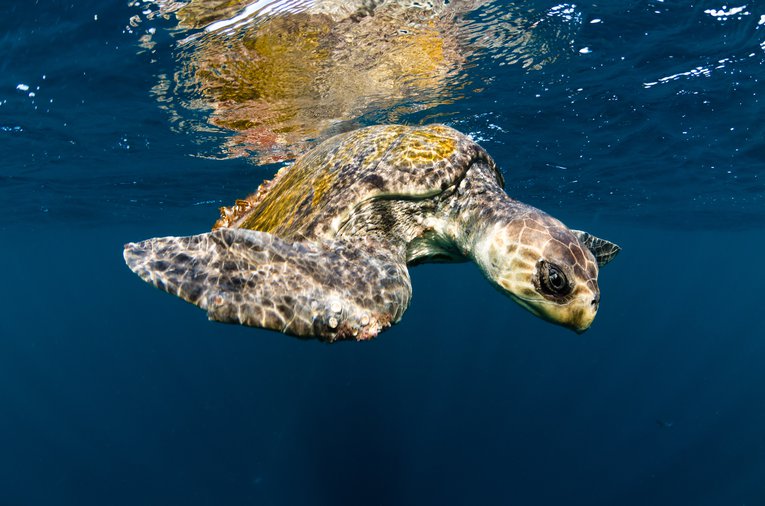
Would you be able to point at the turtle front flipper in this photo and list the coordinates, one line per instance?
(331, 290)
(603, 250)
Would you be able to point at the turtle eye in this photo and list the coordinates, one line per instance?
(553, 279)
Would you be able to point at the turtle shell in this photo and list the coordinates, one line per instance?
(313, 197)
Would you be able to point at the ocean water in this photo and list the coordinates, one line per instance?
(640, 122)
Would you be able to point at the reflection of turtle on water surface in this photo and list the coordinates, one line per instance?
(296, 71)
(322, 250)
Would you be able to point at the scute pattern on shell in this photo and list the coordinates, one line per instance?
(314, 196)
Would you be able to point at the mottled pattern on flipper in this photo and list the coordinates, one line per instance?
(333, 290)
(603, 250)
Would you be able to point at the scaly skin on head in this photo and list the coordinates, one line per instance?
(527, 254)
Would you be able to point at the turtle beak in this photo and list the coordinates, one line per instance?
(581, 329)
(577, 315)
(583, 314)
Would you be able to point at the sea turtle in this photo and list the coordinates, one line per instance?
(322, 250)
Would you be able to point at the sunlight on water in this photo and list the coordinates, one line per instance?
(645, 112)
(722, 15)
(283, 74)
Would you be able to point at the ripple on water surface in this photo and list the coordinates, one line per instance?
(281, 75)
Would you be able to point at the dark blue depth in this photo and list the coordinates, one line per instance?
(114, 393)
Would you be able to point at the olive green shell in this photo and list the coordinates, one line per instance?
(313, 197)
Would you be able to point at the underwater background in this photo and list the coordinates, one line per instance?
(644, 127)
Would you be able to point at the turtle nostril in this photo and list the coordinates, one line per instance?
(596, 300)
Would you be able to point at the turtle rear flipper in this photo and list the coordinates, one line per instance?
(333, 290)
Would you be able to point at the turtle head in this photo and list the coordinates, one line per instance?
(547, 268)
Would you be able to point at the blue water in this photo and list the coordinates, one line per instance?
(113, 393)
